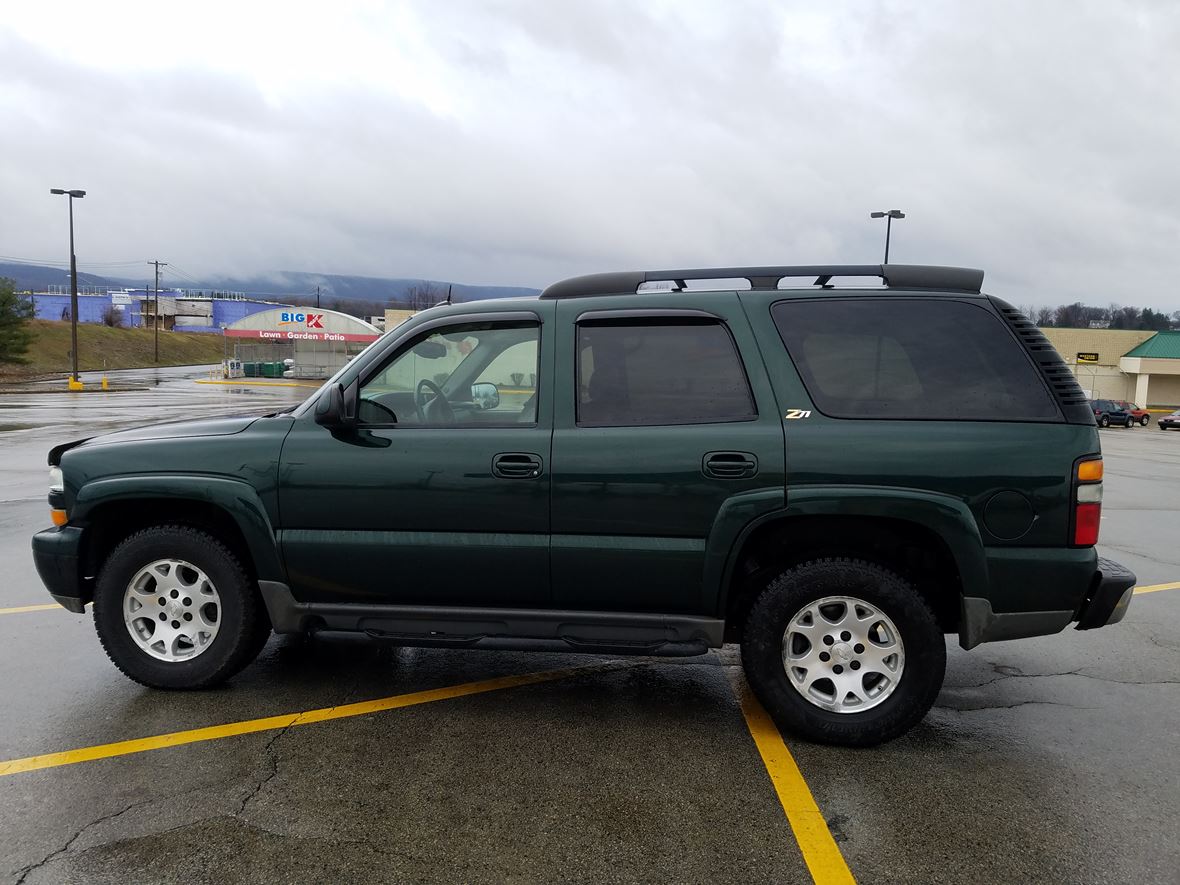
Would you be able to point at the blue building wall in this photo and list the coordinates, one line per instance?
(57, 307)
(227, 311)
(92, 307)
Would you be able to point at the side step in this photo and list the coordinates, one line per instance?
(431, 626)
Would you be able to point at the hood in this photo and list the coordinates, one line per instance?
(172, 430)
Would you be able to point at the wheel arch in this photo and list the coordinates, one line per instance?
(112, 510)
(931, 540)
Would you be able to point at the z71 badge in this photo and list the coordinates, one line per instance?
(797, 413)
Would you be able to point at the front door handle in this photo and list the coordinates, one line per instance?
(729, 465)
(517, 465)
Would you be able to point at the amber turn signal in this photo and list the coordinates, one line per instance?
(59, 517)
(1090, 471)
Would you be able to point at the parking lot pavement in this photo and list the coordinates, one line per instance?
(1044, 760)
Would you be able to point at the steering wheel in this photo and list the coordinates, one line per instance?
(445, 413)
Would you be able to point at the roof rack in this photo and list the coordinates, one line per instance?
(899, 276)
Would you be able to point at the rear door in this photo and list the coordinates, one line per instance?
(662, 415)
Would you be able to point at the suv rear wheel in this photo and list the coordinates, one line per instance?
(1145, 420)
(1104, 421)
(843, 651)
(174, 609)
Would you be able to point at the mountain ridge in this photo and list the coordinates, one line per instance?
(278, 286)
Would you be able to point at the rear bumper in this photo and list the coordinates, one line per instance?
(1109, 596)
(1106, 600)
(55, 553)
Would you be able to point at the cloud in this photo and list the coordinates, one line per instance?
(520, 142)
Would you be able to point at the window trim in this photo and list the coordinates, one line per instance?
(657, 317)
(984, 306)
(518, 318)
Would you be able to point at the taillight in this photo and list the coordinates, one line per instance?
(1087, 502)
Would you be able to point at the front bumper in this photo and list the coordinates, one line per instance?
(55, 553)
(1109, 596)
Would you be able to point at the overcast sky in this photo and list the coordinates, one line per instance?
(521, 142)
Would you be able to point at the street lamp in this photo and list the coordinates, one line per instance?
(73, 195)
(888, 216)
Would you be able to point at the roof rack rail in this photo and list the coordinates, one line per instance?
(899, 276)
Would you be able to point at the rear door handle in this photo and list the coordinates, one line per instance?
(517, 465)
(729, 465)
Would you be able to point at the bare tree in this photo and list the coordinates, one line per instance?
(1071, 316)
(112, 317)
(420, 296)
(1044, 316)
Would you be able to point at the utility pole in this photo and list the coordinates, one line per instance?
(156, 309)
(317, 297)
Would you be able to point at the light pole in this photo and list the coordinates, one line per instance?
(73, 195)
(888, 216)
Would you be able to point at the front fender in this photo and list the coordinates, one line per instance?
(236, 498)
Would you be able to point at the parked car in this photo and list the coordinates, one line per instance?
(1108, 412)
(833, 477)
(1140, 416)
(1170, 422)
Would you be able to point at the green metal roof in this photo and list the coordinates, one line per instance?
(1161, 345)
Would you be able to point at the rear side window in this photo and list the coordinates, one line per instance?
(659, 372)
(920, 358)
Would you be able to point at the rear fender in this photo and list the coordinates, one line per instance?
(947, 517)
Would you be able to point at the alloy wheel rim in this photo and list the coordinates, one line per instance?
(172, 610)
(843, 654)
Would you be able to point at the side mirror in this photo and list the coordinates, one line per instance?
(486, 395)
(337, 406)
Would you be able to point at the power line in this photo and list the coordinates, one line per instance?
(55, 262)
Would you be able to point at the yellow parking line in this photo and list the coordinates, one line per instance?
(287, 720)
(820, 852)
(1153, 588)
(31, 608)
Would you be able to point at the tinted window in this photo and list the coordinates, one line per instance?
(901, 358)
(660, 373)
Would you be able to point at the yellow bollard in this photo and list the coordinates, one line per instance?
(76, 385)
(105, 385)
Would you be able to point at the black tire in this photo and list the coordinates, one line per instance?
(924, 645)
(1145, 420)
(243, 627)
(1130, 422)
(1104, 421)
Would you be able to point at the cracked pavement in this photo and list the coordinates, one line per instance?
(1048, 759)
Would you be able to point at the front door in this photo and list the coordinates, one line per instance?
(440, 496)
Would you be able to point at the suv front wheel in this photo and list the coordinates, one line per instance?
(174, 609)
(843, 651)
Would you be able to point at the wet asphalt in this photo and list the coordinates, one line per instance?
(1044, 760)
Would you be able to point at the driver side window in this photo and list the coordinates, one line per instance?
(466, 375)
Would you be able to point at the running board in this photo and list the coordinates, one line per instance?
(638, 633)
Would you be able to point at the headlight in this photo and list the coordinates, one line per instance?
(57, 482)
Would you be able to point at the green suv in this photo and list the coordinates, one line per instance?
(832, 476)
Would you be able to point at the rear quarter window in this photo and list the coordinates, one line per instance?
(904, 358)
